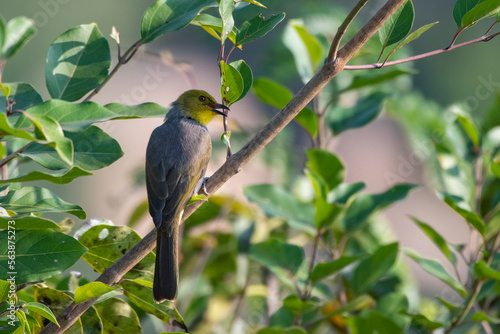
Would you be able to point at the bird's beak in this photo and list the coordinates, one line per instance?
(215, 108)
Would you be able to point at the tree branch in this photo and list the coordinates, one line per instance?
(485, 38)
(234, 164)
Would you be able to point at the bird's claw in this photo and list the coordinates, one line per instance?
(203, 188)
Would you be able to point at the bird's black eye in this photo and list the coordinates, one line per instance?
(202, 98)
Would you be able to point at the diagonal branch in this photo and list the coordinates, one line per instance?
(234, 164)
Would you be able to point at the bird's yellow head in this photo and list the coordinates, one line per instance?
(199, 105)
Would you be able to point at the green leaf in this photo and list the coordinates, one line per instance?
(226, 14)
(461, 8)
(58, 302)
(77, 62)
(366, 110)
(359, 303)
(296, 305)
(422, 321)
(118, 316)
(322, 270)
(142, 297)
(28, 223)
(92, 290)
(365, 205)
(170, 15)
(398, 25)
(6, 129)
(231, 83)
(413, 36)
(469, 128)
(495, 168)
(276, 201)
(272, 93)
(393, 305)
(73, 116)
(42, 310)
(372, 78)
(327, 165)
(148, 109)
(35, 199)
(469, 216)
(277, 256)
(257, 27)
(23, 94)
(93, 149)
(246, 74)
(482, 271)
(18, 32)
(213, 25)
(276, 95)
(306, 49)
(62, 177)
(437, 239)
(481, 316)
(309, 121)
(371, 269)
(344, 191)
(40, 254)
(435, 268)
(50, 130)
(106, 244)
(482, 10)
(372, 322)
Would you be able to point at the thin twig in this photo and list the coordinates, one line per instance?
(332, 54)
(423, 55)
(11, 156)
(307, 293)
(121, 61)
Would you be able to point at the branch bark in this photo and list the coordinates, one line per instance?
(234, 164)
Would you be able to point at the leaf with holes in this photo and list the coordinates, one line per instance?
(106, 244)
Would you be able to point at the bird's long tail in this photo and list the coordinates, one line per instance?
(166, 268)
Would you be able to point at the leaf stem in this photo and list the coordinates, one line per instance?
(11, 156)
(423, 55)
(307, 293)
(332, 54)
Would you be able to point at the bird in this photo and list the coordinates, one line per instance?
(177, 156)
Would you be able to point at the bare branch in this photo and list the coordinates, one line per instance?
(423, 55)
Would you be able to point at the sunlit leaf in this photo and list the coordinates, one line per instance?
(60, 177)
(257, 27)
(36, 199)
(18, 32)
(77, 62)
(91, 290)
(40, 254)
(118, 317)
(398, 25)
(170, 15)
(435, 268)
(226, 14)
(232, 84)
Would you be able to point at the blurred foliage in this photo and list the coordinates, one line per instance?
(306, 254)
